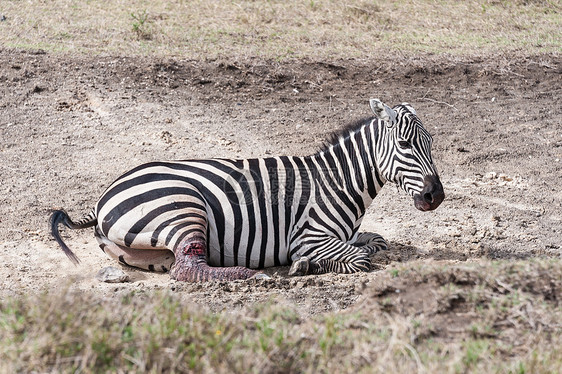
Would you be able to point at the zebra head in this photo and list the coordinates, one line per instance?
(404, 154)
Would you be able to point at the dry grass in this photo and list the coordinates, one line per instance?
(315, 29)
(490, 317)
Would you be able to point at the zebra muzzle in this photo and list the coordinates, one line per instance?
(432, 194)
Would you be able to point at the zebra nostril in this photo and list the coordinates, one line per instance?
(428, 197)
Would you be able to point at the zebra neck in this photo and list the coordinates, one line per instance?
(348, 165)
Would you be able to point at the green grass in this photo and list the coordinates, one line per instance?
(283, 29)
(162, 332)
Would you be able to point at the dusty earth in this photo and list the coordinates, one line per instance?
(70, 125)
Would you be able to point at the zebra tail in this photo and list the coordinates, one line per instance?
(60, 216)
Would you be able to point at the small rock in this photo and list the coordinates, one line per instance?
(111, 274)
(261, 276)
(491, 175)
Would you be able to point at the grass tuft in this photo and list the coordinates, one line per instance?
(140, 25)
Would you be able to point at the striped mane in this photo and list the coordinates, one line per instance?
(343, 132)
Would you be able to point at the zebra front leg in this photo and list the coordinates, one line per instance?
(331, 256)
(370, 242)
(191, 265)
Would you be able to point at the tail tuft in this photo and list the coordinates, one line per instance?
(60, 216)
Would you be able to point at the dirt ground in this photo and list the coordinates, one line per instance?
(70, 125)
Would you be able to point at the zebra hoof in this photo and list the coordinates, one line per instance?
(299, 267)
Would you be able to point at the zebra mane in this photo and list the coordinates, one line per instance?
(343, 132)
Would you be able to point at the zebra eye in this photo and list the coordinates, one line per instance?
(404, 144)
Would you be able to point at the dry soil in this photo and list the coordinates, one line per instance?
(70, 125)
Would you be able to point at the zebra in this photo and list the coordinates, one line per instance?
(224, 219)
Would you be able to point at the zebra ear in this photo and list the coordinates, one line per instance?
(384, 112)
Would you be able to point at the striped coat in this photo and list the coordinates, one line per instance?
(223, 217)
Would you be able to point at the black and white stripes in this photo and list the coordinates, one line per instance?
(273, 211)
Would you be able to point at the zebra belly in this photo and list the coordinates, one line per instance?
(229, 259)
(274, 251)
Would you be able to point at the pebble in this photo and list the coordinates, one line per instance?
(261, 276)
(112, 274)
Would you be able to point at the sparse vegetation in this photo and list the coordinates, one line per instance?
(324, 29)
(159, 332)
(140, 24)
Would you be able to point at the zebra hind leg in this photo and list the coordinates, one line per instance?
(147, 259)
(191, 265)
